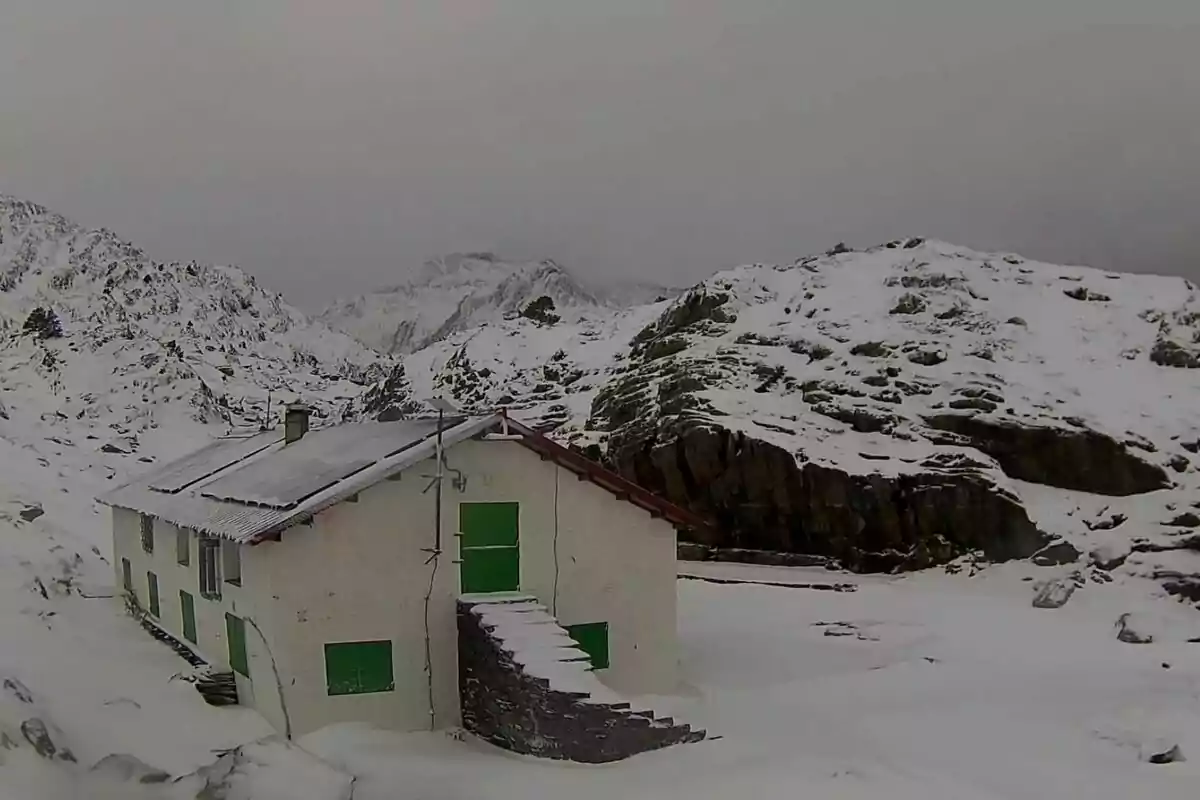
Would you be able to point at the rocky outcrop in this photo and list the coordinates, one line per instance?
(1078, 459)
(761, 498)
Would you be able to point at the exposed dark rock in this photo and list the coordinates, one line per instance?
(861, 419)
(871, 350)
(1082, 460)
(38, 734)
(1177, 584)
(1170, 755)
(1087, 295)
(976, 403)
(43, 323)
(1187, 519)
(761, 499)
(30, 513)
(541, 310)
(927, 356)
(909, 304)
(1056, 554)
(1179, 463)
(1166, 353)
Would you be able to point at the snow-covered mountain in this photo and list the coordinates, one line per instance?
(884, 406)
(908, 405)
(462, 291)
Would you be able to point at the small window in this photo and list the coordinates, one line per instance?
(358, 667)
(183, 544)
(126, 575)
(231, 562)
(147, 533)
(210, 567)
(592, 638)
(152, 587)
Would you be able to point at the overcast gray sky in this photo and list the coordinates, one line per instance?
(326, 146)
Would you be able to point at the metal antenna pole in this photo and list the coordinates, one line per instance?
(434, 554)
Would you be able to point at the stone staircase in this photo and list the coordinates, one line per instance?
(525, 686)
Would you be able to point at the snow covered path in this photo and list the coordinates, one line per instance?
(928, 686)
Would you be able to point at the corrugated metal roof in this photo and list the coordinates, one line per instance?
(322, 458)
(394, 446)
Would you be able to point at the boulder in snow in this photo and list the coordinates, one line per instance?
(1055, 593)
(1163, 755)
(1056, 554)
(1128, 632)
(124, 768)
(267, 769)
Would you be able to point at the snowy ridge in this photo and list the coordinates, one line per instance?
(884, 336)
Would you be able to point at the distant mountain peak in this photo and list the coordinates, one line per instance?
(461, 291)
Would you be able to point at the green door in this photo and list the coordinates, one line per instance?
(235, 630)
(490, 547)
(152, 587)
(187, 607)
(592, 638)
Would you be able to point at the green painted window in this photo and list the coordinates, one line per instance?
(235, 631)
(490, 547)
(152, 587)
(488, 524)
(187, 607)
(358, 667)
(126, 575)
(592, 638)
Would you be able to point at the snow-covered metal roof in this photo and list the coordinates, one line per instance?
(251, 488)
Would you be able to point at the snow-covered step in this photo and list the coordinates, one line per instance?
(526, 686)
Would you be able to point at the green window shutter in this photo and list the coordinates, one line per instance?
(358, 667)
(152, 586)
(126, 575)
(235, 630)
(187, 608)
(488, 524)
(490, 569)
(592, 638)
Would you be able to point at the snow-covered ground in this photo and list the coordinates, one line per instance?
(927, 686)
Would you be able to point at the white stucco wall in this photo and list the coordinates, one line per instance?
(358, 572)
(246, 601)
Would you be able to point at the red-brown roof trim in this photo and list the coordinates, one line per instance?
(605, 478)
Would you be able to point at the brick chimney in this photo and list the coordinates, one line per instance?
(295, 422)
